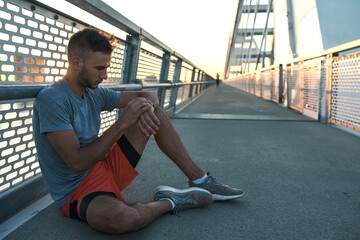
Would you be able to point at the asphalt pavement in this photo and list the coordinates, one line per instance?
(301, 177)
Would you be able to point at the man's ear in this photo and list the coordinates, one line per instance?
(77, 63)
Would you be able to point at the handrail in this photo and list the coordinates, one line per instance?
(11, 92)
(336, 49)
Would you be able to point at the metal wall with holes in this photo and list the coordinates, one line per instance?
(33, 44)
(312, 87)
(170, 79)
(325, 86)
(345, 91)
(264, 83)
(293, 80)
(18, 161)
(149, 67)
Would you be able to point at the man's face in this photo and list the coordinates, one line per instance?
(94, 69)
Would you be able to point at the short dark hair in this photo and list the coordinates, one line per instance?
(90, 39)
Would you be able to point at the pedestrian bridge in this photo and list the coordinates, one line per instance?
(287, 135)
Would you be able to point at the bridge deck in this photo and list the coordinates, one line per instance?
(300, 177)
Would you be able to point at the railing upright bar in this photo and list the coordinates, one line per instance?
(281, 75)
(165, 65)
(192, 80)
(174, 90)
(288, 90)
(329, 67)
(131, 59)
(301, 73)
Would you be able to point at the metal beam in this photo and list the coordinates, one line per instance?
(108, 14)
(233, 38)
(261, 8)
(251, 39)
(292, 39)
(246, 28)
(265, 33)
(257, 31)
(254, 55)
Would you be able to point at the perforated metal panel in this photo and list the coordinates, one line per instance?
(312, 82)
(345, 94)
(149, 67)
(170, 79)
(33, 44)
(183, 93)
(275, 84)
(293, 86)
(18, 161)
(186, 74)
(252, 83)
(267, 85)
(258, 84)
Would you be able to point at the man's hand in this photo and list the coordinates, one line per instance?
(148, 123)
(133, 110)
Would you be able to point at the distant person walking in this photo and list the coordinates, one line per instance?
(217, 79)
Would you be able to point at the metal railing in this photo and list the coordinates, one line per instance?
(33, 40)
(324, 86)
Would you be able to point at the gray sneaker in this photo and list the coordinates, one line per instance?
(184, 198)
(219, 191)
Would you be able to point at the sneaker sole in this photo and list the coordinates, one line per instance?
(217, 197)
(175, 190)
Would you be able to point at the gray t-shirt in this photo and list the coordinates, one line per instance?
(58, 108)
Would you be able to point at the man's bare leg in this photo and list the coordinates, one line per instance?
(108, 214)
(170, 143)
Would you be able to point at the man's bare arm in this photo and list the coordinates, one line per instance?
(80, 159)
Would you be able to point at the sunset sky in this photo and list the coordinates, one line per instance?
(197, 29)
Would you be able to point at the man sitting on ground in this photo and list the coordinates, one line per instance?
(86, 173)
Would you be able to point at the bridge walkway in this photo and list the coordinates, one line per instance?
(300, 177)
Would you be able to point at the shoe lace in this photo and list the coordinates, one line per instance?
(182, 205)
(215, 181)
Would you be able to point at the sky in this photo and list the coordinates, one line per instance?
(199, 30)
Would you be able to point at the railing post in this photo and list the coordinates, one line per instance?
(302, 86)
(197, 85)
(280, 95)
(164, 73)
(202, 78)
(174, 90)
(192, 80)
(132, 58)
(288, 90)
(329, 66)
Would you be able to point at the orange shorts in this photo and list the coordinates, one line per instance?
(108, 177)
